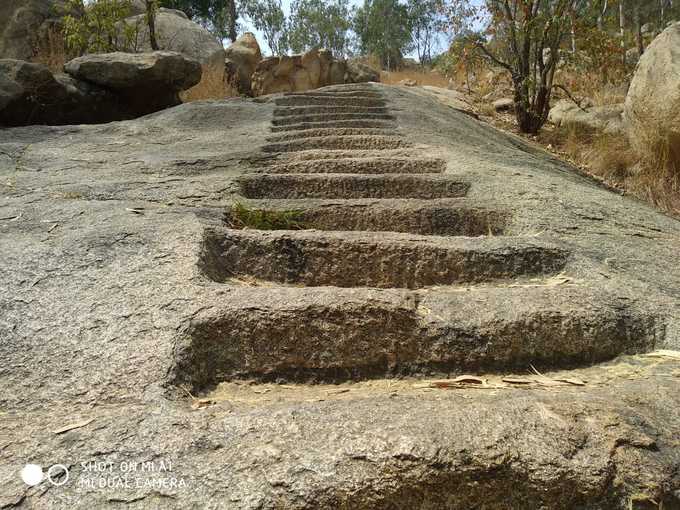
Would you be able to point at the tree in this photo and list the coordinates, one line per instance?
(151, 9)
(218, 16)
(383, 28)
(96, 29)
(426, 21)
(320, 24)
(529, 34)
(268, 17)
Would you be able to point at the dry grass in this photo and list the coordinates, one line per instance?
(51, 51)
(211, 86)
(653, 177)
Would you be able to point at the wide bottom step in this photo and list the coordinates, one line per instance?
(328, 336)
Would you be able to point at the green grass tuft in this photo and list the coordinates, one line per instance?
(242, 216)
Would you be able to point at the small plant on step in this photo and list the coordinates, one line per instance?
(242, 216)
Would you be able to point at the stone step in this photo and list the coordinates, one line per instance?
(444, 217)
(370, 165)
(334, 335)
(349, 142)
(330, 100)
(321, 122)
(366, 259)
(324, 155)
(356, 92)
(326, 132)
(315, 110)
(330, 185)
(329, 119)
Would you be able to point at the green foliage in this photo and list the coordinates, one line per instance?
(268, 17)
(97, 29)
(463, 59)
(241, 216)
(427, 20)
(599, 54)
(383, 28)
(220, 17)
(528, 35)
(320, 24)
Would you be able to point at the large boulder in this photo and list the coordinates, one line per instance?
(358, 72)
(98, 88)
(175, 32)
(20, 23)
(605, 119)
(652, 108)
(242, 59)
(307, 71)
(294, 73)
(31, 94)
(147, 82)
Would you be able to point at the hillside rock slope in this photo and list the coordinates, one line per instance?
(141, 325)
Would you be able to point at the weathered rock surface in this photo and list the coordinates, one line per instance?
(175, 32)
(606, 119)
(242, 59)
(121, 281)
(20, 22)
(652, 109)
(451, 98)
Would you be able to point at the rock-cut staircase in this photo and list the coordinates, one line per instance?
(390, 269)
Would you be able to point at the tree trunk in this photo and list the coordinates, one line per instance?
(622, 30)
(151, 21)
(601, 15)
(232, 20)
(638, 31)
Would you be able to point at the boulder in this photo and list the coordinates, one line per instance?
(133, 70)
(652, 108)
(242, 59)
(358, 72)
(20, 22)
(605, 119)
(175, 32)
(146, 82)
(297, 73)
(31, 94)
(504, 104)
(338, 72)
(137, 7)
